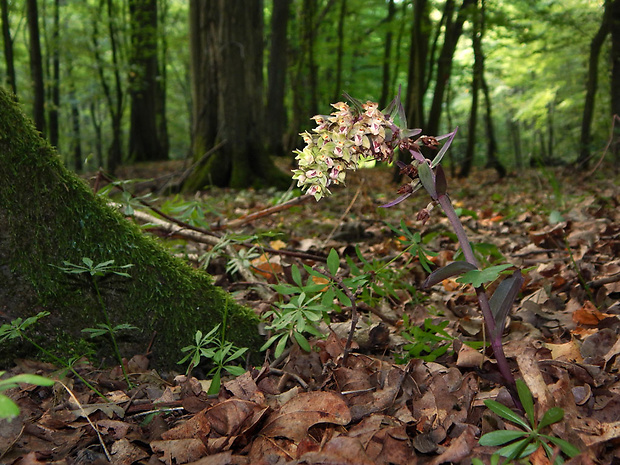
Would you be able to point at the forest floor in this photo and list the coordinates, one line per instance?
(412, 391)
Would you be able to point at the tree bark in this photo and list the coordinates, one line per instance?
(144, 143)
(387, 53)
(444, 64)
(615, 72)
(275, 110)
(36, 65)
(418, 58)
(470, 147)
(54, 106)
(340, 51)
(585, 139)
(234, 44)
(48, 215)
(8, 47)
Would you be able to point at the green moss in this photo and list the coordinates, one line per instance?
(50, 215)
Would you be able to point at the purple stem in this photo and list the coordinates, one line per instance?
(483, 299)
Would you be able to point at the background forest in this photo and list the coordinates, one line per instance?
(114, 82)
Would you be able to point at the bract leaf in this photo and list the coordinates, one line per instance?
(445, 272)
(502, 299)
(441, 185)
(427, 178)
(445, 147)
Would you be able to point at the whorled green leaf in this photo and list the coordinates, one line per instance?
(506, 413)
(479, 277)
(502, 299)
(8, 408)
(553, 415)
(519, 449)
(302, 341)
(565, 446)
(525, 396)
(451, 269)
(333, 262)
(498, 438)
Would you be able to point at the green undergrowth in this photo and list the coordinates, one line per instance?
(49, 216)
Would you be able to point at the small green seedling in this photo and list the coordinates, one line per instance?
(94, 271)
(521, 443)
(218, 351)
(8, 408)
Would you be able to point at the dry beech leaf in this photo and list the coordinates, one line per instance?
(295, 417)
(124, 452)
(180, 450)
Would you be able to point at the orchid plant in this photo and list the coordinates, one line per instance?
(353, 133)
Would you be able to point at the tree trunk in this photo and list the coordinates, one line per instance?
(235, 46)
(275, 110)
(615, 72)
(55, 77)
(8, 47)
(515, 136)
(387, 53)
(470, 148)
(418, 58)
(48, 215)
(492, 160)
(340, 51)
(144, 143)
(444, 64)
(585, 140)
(36, 65)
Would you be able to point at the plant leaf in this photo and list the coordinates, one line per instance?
(502, 299)
(553, 415)
(445, 272)
(333, 262)
(506, 413)
(8, 408)
(441, 184)
(565, 446)
(525, 396)
(478, 277)
(497, 438)
(445, 147)
(427, 178)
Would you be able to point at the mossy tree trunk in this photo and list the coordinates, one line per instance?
(48, 215)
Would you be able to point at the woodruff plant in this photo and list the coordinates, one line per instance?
(360, 131)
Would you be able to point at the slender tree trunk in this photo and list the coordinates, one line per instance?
(492, 160)
(310, 7)
(615, 72)
(54, 106)
(387, 55)
(8, 47)
(585, 140)
(76, 137)
(444, 64)
(162, 83)
(418, 59)
(115, 152)
(275, 110)
(144, 143)
(340, 51)
(515, 135)
(468, 161)
(36, 65)
(98, 134)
